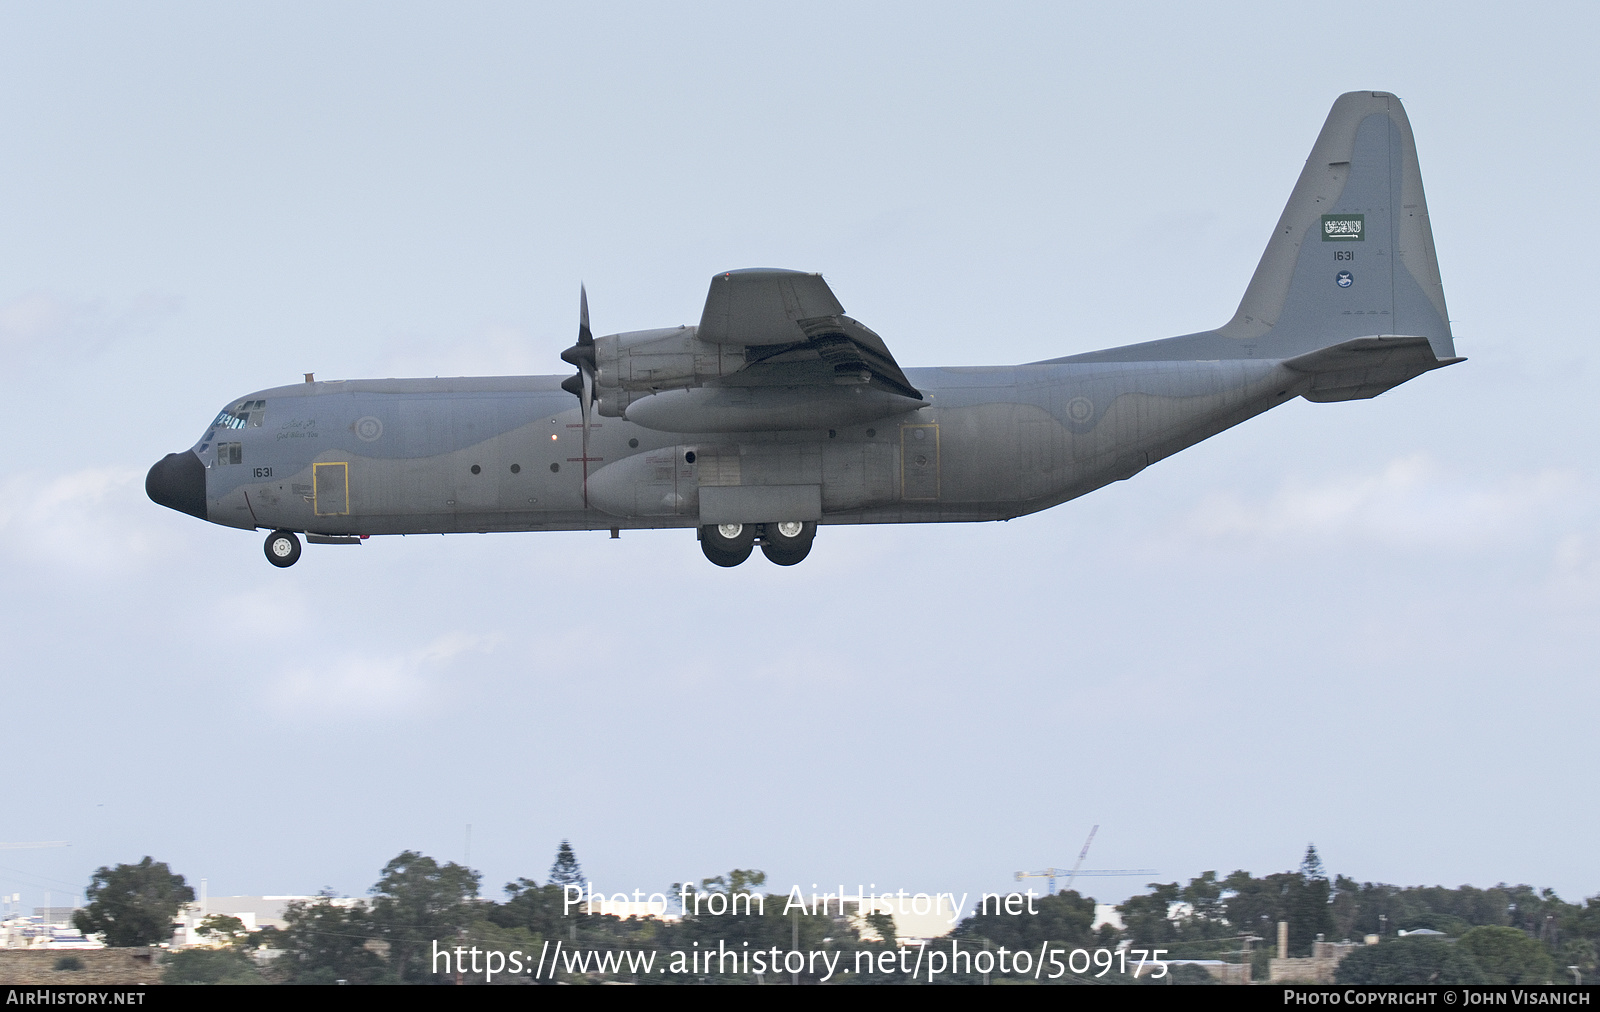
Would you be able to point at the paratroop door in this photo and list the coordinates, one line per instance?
(331, 489)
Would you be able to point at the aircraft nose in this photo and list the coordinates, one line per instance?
(178, 481)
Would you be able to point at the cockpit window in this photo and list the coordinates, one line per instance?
(245, 413)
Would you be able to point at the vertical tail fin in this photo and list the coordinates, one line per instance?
(1353, 243)
(1352, 256)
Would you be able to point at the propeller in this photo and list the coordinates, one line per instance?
(582, 385)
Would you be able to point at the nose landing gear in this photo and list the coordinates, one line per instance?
(282, 548)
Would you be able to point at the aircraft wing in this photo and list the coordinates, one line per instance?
(794, 333)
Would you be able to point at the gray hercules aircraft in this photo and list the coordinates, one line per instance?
(778, 412)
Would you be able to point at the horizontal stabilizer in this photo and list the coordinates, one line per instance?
(1365, 367)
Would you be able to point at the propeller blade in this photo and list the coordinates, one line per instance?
(582, 385)
(582, 353)
(587, 399)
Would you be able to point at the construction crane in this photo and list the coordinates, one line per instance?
(1054, 873)
(34, 846)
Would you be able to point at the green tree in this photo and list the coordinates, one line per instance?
(1256, 905)
(225, 930)
(565, 870)
(1306, 904)
(1345, 908)
(1584, 921)
(1145, 917)
(542, 912)
(1063, 918)
(209, 966)
(1579, 954)
(1409, 961)
(487, 936)
(765, 926)
(1204, 894)
(883, 925)
(530, 906)
(1508, 956)
(418, 902)
(324, 943)
(133, 904)
(1207, 919)
(1183, 973)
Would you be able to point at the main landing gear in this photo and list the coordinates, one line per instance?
(785, 543)
(282, 548)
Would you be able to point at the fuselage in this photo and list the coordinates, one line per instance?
(425, 456)
(778, 412)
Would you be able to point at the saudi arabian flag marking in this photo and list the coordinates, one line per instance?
(1343, 227)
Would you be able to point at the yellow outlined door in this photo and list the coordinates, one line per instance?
(919, 462)
(331, 489)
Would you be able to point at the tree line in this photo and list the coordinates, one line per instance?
(1503, 934)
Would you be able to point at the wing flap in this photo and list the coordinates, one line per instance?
(836, 349)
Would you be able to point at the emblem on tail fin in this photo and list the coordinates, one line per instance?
(1343, 227)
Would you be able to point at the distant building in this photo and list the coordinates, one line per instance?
(48, 928)
(1106, 913)
(256, 912)
(1319, 968)
(917, 917)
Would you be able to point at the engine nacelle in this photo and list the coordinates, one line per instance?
(637, 364)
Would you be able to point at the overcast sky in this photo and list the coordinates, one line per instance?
(1367, 625)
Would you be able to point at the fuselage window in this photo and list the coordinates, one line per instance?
(230, 453)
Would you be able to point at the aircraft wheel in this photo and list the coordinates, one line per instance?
(727, 545)
(788, 543)
(282, 548)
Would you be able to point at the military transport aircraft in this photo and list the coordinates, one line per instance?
(778, 412)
